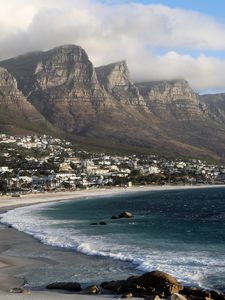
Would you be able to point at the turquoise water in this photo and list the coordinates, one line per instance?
(177, 231)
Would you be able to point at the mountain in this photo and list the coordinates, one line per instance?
(215, 104)
(103, 107)
(16, 112)
(173, 100)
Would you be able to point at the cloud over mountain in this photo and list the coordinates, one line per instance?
(157, 41)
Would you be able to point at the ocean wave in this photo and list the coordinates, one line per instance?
(190, 268)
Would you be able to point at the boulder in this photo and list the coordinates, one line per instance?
(152, 297)
(17, 290)
(195, 292)
(127, 295)
(92, 290)
(176, 296)
(217, 296)
(125, 214)
(68, 286)
(122, 286)
(160, 283)
(104, 283)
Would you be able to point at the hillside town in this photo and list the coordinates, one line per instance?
(35, 163)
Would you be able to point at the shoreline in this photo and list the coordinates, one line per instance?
(10, 238)
(9, 202)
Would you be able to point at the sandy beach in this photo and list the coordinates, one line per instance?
(11, 266)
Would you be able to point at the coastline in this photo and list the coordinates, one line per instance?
(10, 238)
(9, 202)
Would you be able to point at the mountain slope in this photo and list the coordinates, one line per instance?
(215, 104)
(102, 106)
(16, 113)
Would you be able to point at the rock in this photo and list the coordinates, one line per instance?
(92, 290)
(125, 214)
(68, 286)
(122, 286)
(217, 296)
(114, 217)
(102, 223)
(103, 284)
(176, 296)
(127, 295)
(17, 290)
(152, 297)
(160, 283)
(195, 292)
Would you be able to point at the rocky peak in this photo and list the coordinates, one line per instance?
(6, 79)
(116, 80)
(66, 65)
(173, 99)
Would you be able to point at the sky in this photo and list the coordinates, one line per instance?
(159, 39)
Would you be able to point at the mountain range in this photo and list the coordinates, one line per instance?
(60, 92)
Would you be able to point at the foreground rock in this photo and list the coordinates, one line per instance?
(160, 283)
(68, 286)
(17, 290)
(92, 290)
(152, 283)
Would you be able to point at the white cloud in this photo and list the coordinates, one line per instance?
(114, 32)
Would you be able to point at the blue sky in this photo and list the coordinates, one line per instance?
(214, 8)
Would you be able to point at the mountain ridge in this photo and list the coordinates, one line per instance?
(104, 103)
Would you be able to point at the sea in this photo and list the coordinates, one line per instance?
(180, 231)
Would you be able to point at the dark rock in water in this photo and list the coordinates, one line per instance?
(17, 290)
(114, 217)
(94, 223)
(68, 286)
(125, 214)
(102, 223)
(159, 282)
(92, 290)
(10, 226)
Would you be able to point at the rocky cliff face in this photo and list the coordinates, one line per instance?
(116, 80)
(104, 104)
(15, 110)
(215, 104)
(172, 100)
(61, 84)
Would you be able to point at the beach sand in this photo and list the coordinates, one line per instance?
(10, 239)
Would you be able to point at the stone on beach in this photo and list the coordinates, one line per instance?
(17, 290)
(152, 297)
(176, 296)
(92, 290)
(121, 286)
(151, 283)
(68, 286)
(160, 282)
